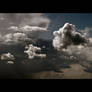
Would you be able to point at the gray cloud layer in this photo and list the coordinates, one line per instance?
(20, 27)
(22, 19)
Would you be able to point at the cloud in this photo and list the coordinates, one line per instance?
(28, 29)
(15, 38)
(1, 38)
(22, 19)
(67, 35)
(28, 25)
(7, 57)
(86, 31)
(22, 29)
(74, 44)
(39, 20)
(22, 34)
(10, 62)
(32, 52)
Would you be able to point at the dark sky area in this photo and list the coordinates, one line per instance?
(80, 20)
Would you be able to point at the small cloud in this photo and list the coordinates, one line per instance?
(32, 52)
(10, 62)
(7, 56)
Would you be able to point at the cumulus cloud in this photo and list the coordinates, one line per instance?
(10, 62)
(7, 57)
(32, 52)
(74, 45)
(79, 54)
(27, 25)
(22, 28)
(15, 38)
(22, 34)
(67, 35)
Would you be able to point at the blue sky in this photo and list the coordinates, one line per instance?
(80, 20)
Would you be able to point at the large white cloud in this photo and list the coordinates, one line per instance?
(67, 35)
(74, 45)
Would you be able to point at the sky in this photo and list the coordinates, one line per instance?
(54, 21)
(57, 20)
(17, 36)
